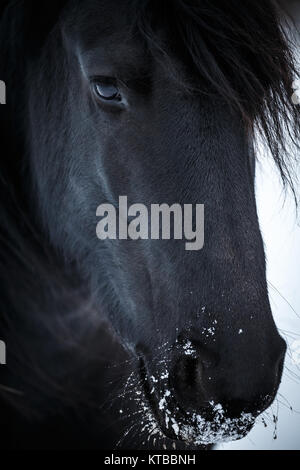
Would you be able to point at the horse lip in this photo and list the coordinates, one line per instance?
(153, 404)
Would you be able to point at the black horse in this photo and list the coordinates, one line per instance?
(137, 344)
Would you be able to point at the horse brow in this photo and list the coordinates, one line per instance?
(130, 67)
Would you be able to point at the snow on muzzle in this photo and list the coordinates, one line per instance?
(163, 415)
(192, 395)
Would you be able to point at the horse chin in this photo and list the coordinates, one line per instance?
(195, 430)
(164, 419)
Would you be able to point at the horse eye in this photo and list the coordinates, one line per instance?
(106, 90)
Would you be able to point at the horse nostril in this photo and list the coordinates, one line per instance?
(187, 382)
(190, 374)
(189, 371)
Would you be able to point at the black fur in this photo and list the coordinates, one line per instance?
(78, 316)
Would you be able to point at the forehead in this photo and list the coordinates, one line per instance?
(108, 23)
(104, 33)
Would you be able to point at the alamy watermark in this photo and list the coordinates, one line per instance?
(163, 222)
(2, 344)
(2, 353)
(296, 94)
(2, 92)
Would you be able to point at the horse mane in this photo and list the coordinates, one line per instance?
(240, 53)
